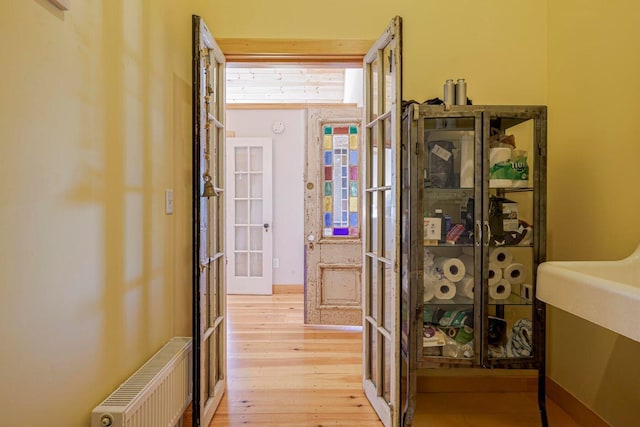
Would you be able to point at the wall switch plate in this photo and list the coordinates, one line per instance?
(276, 263)
(168, 201)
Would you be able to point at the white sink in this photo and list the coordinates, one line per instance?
(606, 293)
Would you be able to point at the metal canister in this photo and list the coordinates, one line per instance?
(461, 92)
(449, 92)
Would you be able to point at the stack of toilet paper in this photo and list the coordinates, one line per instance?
(506, 272)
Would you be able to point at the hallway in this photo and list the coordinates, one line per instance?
(282, 373)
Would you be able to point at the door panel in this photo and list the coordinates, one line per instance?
(381, 224)
(333, 251)
(249, 216)
(209, 304)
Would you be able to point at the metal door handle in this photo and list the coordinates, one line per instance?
(266, 227)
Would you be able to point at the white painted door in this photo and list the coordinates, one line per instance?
(333, 250)
(209, 296)
(249, 216)
(381, 224)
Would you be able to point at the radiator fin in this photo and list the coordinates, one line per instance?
(156, 394)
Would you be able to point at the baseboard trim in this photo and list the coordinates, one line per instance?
(577, 410)
(288, 289)
(487, 382)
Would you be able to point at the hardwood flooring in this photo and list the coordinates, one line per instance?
(282, 373)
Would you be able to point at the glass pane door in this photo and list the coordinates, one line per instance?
(249, 216)
(451, 209)
(381, 231)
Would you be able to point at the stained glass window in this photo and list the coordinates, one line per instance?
(340, 167)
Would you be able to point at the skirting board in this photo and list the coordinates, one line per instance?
(572, 406)
(577, 410)
(288, 289)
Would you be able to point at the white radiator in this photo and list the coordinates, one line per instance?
(156, 395)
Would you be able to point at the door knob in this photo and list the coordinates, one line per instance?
(266, 227)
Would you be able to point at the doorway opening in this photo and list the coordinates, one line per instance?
(270, 97)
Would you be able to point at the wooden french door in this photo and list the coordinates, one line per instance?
(209, 294)
(381, 224)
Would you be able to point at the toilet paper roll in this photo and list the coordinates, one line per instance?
(467, 261)
(514, 273)
(451, 268)
(500, 290)
(495, 274)
(500, 257)
(444, 289)
(465, 287)
(466, 161)
(498, 155)
(429, 291)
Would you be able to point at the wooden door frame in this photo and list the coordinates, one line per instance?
(300, 51)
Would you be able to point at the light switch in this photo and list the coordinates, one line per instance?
(168, 202)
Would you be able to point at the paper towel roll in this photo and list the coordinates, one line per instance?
(498, 155)
(500, 257)
(514, 273)
(465, 287)
(451, 268)
(495, 274)
(500, 290)
(467, 161)
(444, 289)
(429, 291)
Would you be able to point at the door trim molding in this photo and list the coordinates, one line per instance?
(321, 51)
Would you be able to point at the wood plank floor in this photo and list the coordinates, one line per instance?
(282, 373)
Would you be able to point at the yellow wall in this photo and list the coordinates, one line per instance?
(499, 46)
(95, 124)
(594, 144)
(95, 118)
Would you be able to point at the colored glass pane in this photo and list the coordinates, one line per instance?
(328, 142)
(353, 219)
(353, 189)
(328, 173)
(353, 142)
(340, 231)
(342, 130)
(328, 204)
(353, 173)
(353, 158)
(340, 196)
(353, 204)
(327, 219)
(327, 188)
(328, 158)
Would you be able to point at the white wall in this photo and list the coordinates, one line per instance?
(288, 185)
